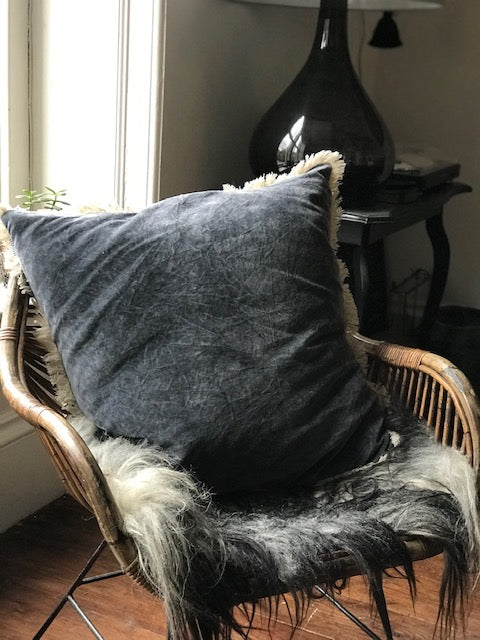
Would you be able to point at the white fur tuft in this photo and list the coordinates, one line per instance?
(158, 505)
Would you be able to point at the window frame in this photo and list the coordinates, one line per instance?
(135, 173)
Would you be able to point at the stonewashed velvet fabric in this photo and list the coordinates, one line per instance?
(210, 325)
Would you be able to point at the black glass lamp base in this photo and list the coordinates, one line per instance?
(326, 107)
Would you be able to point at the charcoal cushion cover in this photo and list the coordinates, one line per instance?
(210, 324)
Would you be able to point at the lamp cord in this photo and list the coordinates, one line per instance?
(361, 44)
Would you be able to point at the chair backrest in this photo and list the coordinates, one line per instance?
(28, 389)
(433, 389)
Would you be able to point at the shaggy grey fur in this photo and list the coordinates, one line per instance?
(205, 554)
(277, 543)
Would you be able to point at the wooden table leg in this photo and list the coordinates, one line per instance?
(366, 264)
(441, 263)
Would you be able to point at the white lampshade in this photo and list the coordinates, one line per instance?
(391, 5)
(372, 5)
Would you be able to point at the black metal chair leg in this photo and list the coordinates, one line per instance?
(346, 612)
(80, 580)
(85, 618)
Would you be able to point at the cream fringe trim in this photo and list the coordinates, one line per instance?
(337, 164)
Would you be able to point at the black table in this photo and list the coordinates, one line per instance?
(361, 236)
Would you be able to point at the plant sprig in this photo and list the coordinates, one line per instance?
(46, 199)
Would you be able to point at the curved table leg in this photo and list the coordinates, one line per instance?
(361, 284)
(367, 266)
(441, 263)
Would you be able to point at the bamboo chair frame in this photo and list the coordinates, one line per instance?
(429, 385)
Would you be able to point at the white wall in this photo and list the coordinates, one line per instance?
(27, 478)
(429, 92)
(225, 62)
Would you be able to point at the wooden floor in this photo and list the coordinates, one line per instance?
(41, 556)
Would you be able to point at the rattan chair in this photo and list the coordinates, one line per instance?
(429, 385)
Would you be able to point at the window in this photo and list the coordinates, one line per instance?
(81, 98)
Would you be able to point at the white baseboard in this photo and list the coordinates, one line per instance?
(27, 478)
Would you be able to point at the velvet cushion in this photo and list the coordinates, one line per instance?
(211, 325)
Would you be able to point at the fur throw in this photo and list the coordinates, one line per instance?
(205, 556)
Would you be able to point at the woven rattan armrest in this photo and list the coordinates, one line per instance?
(432, 388)
(28, 390)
